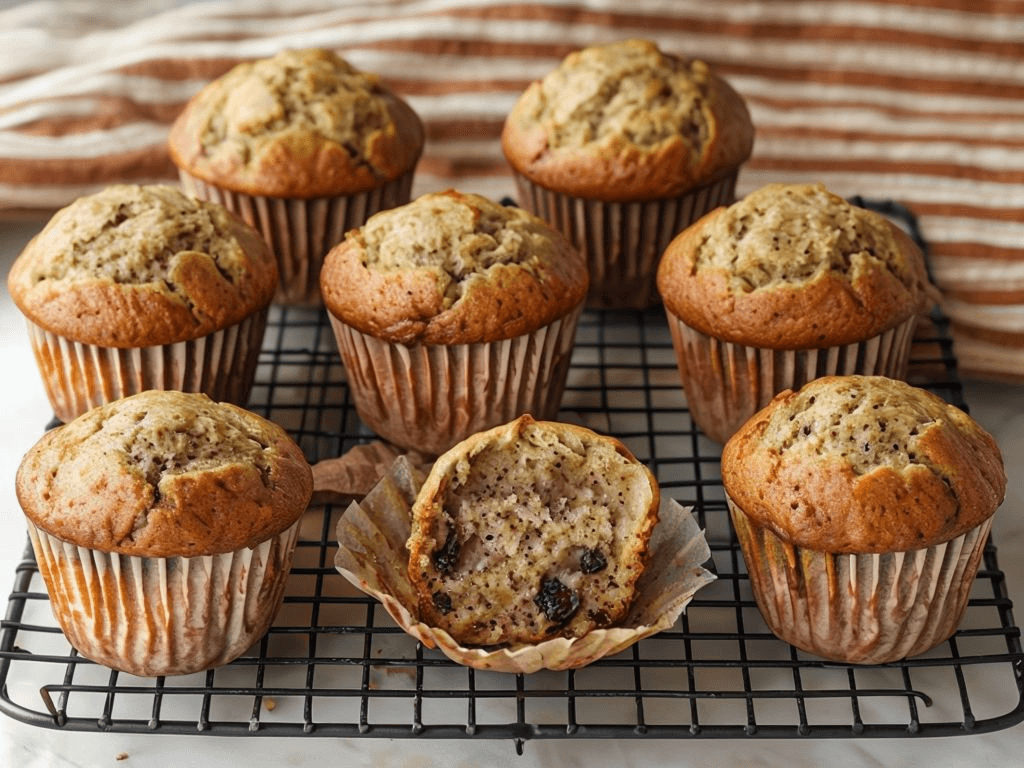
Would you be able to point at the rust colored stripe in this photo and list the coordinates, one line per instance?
(887, 81)
(986, 7)
(812, 132)
(892, 110)
(968, 211)
(975, 251)
(146, 163)
(883, 165)
(456, 129)
(985, 298)
(458, 167)
(1003, 338)
(181, 68)
(111, 112)
(743, 30)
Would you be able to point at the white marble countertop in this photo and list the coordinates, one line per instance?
(999, 407)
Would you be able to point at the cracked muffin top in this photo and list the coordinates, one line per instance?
(452, 267)
(793, 266)
(626, 121)
(163, 474)
(139, 266)
(304, 123)
(863, 464)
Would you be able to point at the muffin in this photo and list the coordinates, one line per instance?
(164, 526)
(304, 147)
(529, 531)
(453, 314)
(143, 287)
(621, 147)
(862, 506)
(786, 285)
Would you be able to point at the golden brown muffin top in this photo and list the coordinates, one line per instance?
(452, 267)
(625, 121)
(163, 474)
(304, 123)
(858, 464)
(793, 266)
(137, 266)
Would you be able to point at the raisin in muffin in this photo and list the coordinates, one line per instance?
(621, 146)
(788, 284)
(529, 531)
(164, 526)
(304, 147)
(453, 314)
(143, 287)
(862, 505)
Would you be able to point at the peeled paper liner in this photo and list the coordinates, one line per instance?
(372, 556)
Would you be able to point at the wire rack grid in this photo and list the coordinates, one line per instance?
(335, 664)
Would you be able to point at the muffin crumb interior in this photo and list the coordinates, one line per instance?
(532, 535)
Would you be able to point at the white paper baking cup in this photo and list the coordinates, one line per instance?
(79, 376)
(299, 231)
(153, 616)
(372, 555)
(727, 383)
(860, 608)
(623, 242)
(428, 397)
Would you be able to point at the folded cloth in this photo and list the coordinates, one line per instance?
(919, 102)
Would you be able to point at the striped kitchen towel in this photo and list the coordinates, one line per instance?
(919, 101)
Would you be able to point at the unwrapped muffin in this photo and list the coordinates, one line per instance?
(786, 285)
(621, 147)
(164, 526)
(529, 531)
(304, 147)
(862, 506)
(453, 314)
(143, 287)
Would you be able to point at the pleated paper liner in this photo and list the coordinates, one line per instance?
(860, 608)
(299, 231)
(428, 397)
(153, 616)
(373, 557)
(727, 383)
(78, 377)
(622, 242)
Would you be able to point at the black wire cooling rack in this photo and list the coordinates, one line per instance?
(335, 664)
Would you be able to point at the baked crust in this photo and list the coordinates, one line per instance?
(140, 266)
(165, 474)
(625, 121)
(531, 530)
(452, 268)
(863, 464)
(301, 124)
(793, 266)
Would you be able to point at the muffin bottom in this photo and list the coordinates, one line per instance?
(429, 397)
(299, 231)
(79, 376)
(153, 616)
(727, 383)
(622, 242)
(859, 608)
